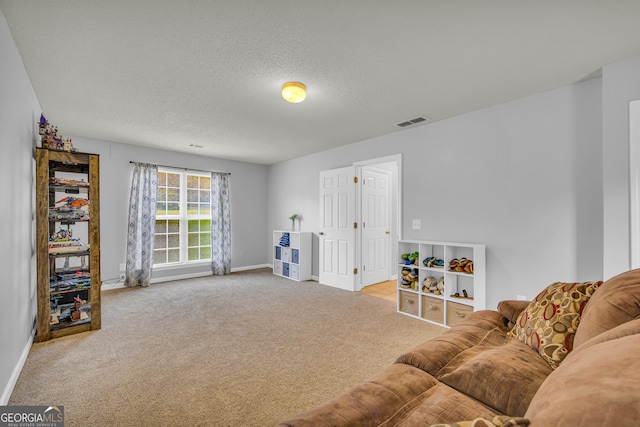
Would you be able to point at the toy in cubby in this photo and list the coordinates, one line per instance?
(409, 278)
(410, 258)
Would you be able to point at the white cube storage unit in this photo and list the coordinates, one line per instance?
(292, 261)
(463, 293)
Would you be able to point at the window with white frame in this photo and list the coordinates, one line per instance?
(183, 218)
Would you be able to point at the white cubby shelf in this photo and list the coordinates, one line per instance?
(463, 293)
(292, 261)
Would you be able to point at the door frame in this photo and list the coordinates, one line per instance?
(396, 209)
(634, 184)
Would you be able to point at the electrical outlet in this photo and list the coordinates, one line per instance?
(122, 277)
(416, 224)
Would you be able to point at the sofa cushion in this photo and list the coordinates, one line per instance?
(597, 385)
(504, 377)
(550, 321)
(616, 302)
(438, 404)
(484, 327)
(511, 309)
(372, 402)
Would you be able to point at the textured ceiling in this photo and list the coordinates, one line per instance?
(168, 74)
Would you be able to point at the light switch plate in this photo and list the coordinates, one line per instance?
(416, 224)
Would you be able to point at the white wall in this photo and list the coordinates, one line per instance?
(620, 85)
(19, 112)
(248, 192)
(524, 177)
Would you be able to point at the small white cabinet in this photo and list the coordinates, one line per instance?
(437, 282)
(292, 254)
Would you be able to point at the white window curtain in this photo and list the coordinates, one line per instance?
(220, 224)
(142, 218)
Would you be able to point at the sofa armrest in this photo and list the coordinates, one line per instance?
(511, 309)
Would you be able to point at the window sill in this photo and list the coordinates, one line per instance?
(180, 266)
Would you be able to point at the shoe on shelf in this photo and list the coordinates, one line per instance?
(429, 284)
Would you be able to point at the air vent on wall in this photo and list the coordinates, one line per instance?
(412, 122)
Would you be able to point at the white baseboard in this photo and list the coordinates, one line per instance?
(251, 267)
(6, 393)
(120, 285)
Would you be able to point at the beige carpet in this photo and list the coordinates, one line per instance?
(247, 349)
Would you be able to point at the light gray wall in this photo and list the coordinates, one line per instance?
(620, 85)
(248, 192)
(19, 112)
(524, 177)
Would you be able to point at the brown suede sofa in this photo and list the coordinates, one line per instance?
(479, 369)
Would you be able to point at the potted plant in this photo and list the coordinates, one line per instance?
(293, 221)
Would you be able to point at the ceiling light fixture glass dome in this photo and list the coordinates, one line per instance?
(294, 92)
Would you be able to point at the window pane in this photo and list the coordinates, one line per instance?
(194, 226)
(159, 257)
(162, 179)
(192, 181)
(174, 255)
(173, 194)
(174, 226)
(205, 225)
(205, 239)
(205, 183)
(205, 253)
(161, 208)
(192, 208)
(194, 254)
(205, 209)
(193, 239)
(161, 196)
(173, 209)
(173, 241)
(205, 196)
(192, 195)
(161, 226)
(173, 179)
(160, 241)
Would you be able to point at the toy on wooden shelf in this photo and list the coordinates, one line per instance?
(76, 314)
(62, 242)
(74, 208)
(51, 138)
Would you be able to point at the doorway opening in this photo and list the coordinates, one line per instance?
(378, 208)
(360, 223)
(634, 183)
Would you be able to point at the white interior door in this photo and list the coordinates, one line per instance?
(337, 232)
(376, 225)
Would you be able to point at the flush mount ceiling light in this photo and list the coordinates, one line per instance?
(294, 92)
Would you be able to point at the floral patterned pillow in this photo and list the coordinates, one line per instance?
(549, 323)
